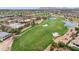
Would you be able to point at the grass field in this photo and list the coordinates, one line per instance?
(38, 37)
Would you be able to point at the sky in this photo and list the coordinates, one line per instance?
(39, 3)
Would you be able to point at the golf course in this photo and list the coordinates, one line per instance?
(38, 38)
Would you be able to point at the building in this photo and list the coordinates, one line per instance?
(75, 42)
(4, 35)
(67, 37)
(15, 25)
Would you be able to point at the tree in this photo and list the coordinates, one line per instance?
(17, 31)
(33, 23)
(61, 44)
(77, 29)
(71, 19)
(54, 45)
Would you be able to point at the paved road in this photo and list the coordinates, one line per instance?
(6, 44)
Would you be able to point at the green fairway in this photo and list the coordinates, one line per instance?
(38, 37)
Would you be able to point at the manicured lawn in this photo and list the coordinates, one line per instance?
(38, 37)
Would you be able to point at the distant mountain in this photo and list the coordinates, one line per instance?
(19, 8)
(39, 8)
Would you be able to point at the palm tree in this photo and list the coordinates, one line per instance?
(33, 22)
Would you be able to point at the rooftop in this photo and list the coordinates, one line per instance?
(76, 41)
(15, 25)
(3, 34)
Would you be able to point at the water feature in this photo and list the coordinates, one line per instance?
(69, 23)
(51, 18)
(66, 22)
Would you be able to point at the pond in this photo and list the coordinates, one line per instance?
(51, 18)
(69, 23)
(66, 23)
